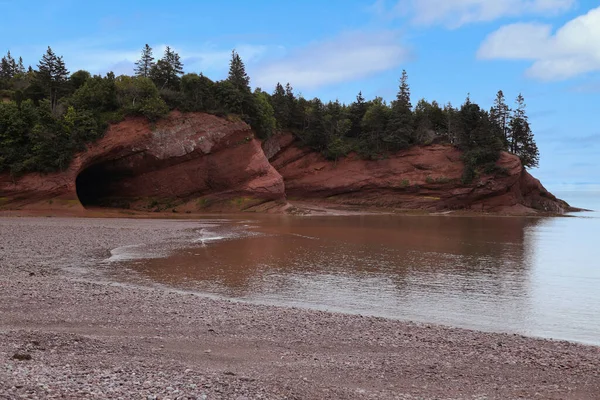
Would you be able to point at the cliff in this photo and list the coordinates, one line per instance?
(199, 162)
(191, 160)
(423, 177)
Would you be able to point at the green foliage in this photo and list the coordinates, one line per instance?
(374, 128)
(264, 122)
(78, 79)
(97, 93)
(46, 115)
(144, 65)
(198, 93)
(52, 77)
(167, 71)
(237, 73)
(521, 141)
(139, 95)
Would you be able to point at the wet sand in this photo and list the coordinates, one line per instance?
(93, 338)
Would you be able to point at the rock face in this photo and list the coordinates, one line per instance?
(425, 177)
(200, 162)
(196, 158)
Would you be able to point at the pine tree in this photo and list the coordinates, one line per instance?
(167, 71)
(500, 117)
(8, 67)
(357, 112)
(52, 76)
(144, 65)
(400, 129)
(5, 72)
(296, 110)
(281, 107)
(237, 73)
(374, 127)
(20, 67)
(522, 142)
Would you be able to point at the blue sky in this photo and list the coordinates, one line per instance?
(547, 49)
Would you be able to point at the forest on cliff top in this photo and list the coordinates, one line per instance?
(48, 114)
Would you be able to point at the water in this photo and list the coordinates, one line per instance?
(532, 276)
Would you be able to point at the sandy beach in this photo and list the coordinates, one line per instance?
(68, 332)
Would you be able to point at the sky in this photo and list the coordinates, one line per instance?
(549, 50)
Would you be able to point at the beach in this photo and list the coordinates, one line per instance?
(66, 331)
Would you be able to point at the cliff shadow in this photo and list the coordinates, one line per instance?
(100, 185)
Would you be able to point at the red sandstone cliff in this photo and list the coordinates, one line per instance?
(424, 177)
(184, 157)
(200, 162)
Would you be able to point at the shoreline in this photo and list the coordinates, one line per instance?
(296, 208)
(104, 340)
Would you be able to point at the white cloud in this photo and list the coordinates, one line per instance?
(573, 50)
(346, 58)
(455, 13)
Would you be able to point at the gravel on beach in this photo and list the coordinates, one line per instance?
(66, 331)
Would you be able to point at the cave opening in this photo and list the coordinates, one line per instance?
(100, 185)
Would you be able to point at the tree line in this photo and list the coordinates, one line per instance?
(47, 114)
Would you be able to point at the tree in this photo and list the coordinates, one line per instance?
(423, 120)
(139, 95)
(198, 93)
(500, 117)
(237, 73)
(167, 71)
(8, 67)
(264, 122)
(281, 107)
(78, 79)
(452, 123)
(144, 65)
(374, 127)
(296, 109)
(96, 93)
(400, 130)
(20, 67)
(356, 113)
(314, 133)
(52, 76)
(522, 142)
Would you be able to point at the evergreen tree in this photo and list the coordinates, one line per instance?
(423, 119)
(237, 73)
(296, 110)
(52, 76)
(314, 131)
(8, 67)
(281, 107)
(264, 122)
(400, 129)
(198, 93)
(374, 127)
(357, 112)
(454, 127)
(500, 117)
(522, 142)
(144, 65)
(167, 71)
(20, 67)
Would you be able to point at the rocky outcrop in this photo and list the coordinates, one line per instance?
(424, 177)
(194, 160)
(200, 162)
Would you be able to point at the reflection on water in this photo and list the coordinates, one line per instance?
(525, 275)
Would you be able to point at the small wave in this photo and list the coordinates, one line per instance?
(304, 236)
(125, 253)
(209, 239)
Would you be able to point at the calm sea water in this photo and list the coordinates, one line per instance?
(533, 276)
